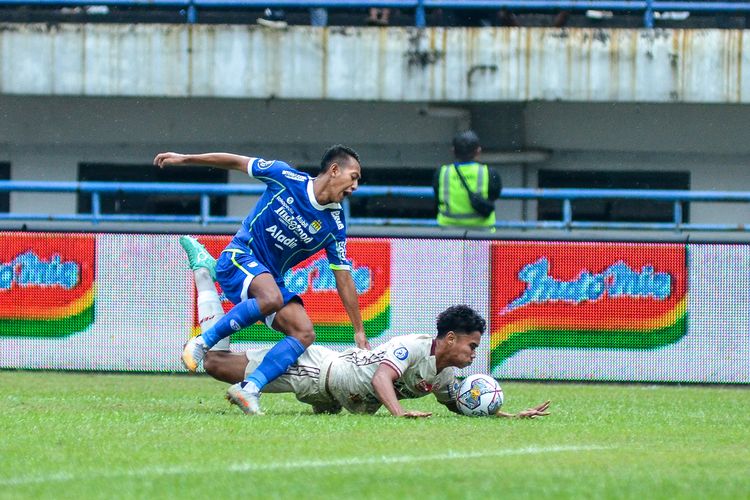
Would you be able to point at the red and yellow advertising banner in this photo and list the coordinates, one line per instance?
(47, 286)
(314, 282)
(559, 295)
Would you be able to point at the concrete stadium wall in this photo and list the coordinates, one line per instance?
(394, 64)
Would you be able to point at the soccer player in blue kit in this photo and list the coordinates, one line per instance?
(296, 216)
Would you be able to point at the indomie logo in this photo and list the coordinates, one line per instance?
(298, 280)
(47, 284)
(618, 280)
(28, 270)
(315, 282)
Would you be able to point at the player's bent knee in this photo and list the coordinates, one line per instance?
(270, 303)
(225, 366)
(211, 363)
(305, 336)
(215, 363)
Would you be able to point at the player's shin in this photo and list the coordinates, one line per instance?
(209, 305)
(243, 314)
(276, 362)
(209, 312)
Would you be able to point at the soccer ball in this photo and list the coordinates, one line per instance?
(479, 396)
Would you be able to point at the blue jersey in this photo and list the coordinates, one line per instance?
(287, 224)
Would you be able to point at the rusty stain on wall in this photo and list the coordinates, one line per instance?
(393, 64)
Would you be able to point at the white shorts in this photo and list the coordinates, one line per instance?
(306, 378)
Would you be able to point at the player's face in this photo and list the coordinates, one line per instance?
(463, 348)
(346, 178)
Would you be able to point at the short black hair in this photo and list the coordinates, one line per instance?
(465, 145)
(335, 153)
(460, 319)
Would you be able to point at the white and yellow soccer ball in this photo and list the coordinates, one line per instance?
(479, 395)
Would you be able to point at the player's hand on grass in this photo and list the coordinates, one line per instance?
(537, 411)
(361, 340)
(417, 414)
(165, 159)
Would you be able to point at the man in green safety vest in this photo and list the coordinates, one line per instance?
(466, 190)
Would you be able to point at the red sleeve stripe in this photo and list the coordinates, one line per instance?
(395, 368)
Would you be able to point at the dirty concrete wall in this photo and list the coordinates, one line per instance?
(393, 64)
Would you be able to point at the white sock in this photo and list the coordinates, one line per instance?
(209, 305)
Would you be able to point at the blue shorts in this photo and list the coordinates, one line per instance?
(236, 269)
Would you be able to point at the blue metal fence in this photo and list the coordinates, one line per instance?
(420, 7)
(207, 191)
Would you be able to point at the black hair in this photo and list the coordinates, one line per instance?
(335, 153)
(460, 319)
(465, 145)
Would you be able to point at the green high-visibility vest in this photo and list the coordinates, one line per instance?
(454, 207)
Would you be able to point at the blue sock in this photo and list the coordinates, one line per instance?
(243, 314)
(276, 362)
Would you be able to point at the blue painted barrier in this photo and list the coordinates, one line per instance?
(191, 7)
(206, 191)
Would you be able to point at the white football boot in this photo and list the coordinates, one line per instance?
(247, 399)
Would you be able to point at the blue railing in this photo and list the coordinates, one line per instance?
(420, 7)
(206, 191)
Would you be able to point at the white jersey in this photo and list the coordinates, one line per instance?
(413, 359)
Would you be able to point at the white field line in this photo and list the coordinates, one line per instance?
(180, 470)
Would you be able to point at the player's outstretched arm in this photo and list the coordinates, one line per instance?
(537, 411)
(348, 293)
(227, 161)
(382, 383)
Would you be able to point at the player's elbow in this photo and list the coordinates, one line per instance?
(379, 381)
(377, 386)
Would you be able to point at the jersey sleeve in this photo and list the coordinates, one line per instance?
(267, 170)
(336, 249)
(404, 353)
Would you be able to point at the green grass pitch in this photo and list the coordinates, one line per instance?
(137, 436)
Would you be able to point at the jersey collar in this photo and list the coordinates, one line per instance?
(314, 202)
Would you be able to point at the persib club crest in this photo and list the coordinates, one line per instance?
(315, 226)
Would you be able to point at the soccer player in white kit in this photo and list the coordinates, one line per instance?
(361, 380)
(406, 367)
